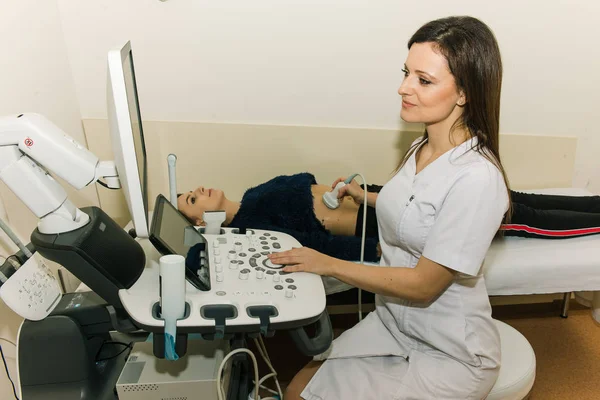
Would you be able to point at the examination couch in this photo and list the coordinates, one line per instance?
(524, 266)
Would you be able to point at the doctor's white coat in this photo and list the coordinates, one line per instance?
(449, 348)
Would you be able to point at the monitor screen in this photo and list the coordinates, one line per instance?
(136, 125)
(172, 233)
(127, 135)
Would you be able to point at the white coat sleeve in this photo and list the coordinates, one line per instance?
(468, 219)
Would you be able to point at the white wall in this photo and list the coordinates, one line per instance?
(35, 76)
(333, 62)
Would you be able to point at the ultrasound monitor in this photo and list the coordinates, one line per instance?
(127, 135)
(172, 233)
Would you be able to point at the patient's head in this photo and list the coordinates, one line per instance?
(193, 204)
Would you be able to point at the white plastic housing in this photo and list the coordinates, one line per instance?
(122, 108)
(172, 286)
(307, 300)
(66, 218)
(49, 146)
(29, 182)
(331, 198)
(172, 162)
(32, 292)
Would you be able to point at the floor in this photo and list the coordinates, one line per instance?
(567, 350)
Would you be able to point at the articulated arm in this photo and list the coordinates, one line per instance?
(30, 144)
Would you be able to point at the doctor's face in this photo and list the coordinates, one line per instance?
(193, 204)
(429, 92)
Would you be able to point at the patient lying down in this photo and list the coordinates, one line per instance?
(293, 205)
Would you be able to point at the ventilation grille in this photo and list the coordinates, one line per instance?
(140, 388)
(149, 388)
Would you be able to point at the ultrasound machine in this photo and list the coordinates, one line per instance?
(232, 291)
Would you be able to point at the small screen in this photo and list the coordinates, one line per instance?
(136, 126)
(172, 233)
(173, 230)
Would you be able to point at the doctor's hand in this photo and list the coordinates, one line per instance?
(304, 259)
(352, 189)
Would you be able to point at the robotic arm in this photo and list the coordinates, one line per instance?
(88, 243)
(30, 144)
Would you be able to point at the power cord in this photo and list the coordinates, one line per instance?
(7, 373)
(8, 268)
(105, 185)
(262, 349)
(13, 236)
(9, 341)
(127, 346)
(220, 393)
(364, 234)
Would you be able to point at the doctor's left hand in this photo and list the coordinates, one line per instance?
(304, 259)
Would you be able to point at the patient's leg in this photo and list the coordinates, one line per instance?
(550, 224)
(589, 204)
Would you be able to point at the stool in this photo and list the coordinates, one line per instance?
(517, 371)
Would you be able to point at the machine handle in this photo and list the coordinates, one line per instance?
(321, 341)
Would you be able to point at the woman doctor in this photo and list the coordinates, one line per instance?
(431, 335)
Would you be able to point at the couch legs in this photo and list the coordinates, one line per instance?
(596, 307)
(564, 311)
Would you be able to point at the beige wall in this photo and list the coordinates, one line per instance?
(334, 63)
(35, 76)
(234, 157)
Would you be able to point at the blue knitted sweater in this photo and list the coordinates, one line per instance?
(285, 204)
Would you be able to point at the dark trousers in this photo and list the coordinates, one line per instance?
(553, 217)
(534, 215)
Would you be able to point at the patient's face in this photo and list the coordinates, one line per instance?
(194, 203)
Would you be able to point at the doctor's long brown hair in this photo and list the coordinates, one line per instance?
(474, 60)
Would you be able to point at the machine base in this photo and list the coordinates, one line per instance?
(193, 376)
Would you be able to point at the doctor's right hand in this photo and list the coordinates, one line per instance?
(352, 189)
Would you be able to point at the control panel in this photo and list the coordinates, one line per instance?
(32, 291)
(247, 292)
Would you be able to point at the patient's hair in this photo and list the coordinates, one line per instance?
(186, 217)
(474, 60)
